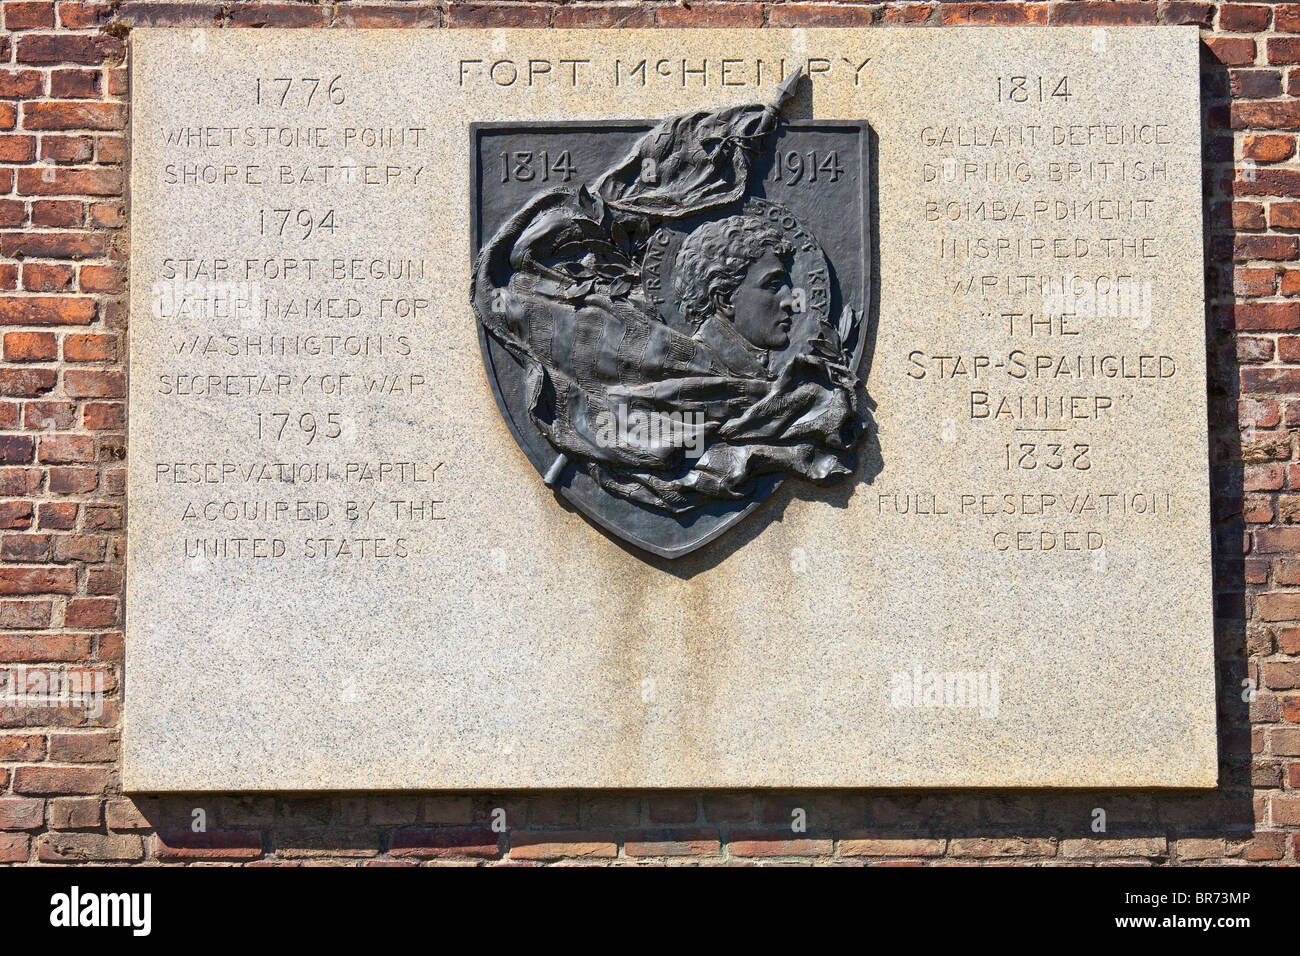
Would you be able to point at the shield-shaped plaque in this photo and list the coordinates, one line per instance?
(671, 314)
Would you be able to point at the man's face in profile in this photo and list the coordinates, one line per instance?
(763, 304)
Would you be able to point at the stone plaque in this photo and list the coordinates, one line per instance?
(923, 309)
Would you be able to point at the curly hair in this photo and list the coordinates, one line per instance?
(714, 257)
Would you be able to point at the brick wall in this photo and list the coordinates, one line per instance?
(63, 251)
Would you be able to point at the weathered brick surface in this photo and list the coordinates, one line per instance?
(63, 150)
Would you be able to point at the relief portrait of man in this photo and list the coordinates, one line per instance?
(733, 279)
(672, 413)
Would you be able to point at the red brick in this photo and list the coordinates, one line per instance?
(57, 181)
(1277, 248)
(76, 813)
(1255, 84)
(911, 13)
(1097, 13)
(89, 847)
(1266, 315)
(1277, 540)
(1283, 50)
(102, 517)
(1286, 17)
(673, 808)
(1243, 17)
(107, 215)
(1262, 478)
(19, 648)
(710, 15)
(21, 84)
(46, 310)
(121, 813)
(47, 49)
(776, 843)
(105, 581)
(18, 481)
(1268, 147)
(89, 347)
(75, 84)
(444, 842)
(558, 845)
(58, 213)
(16, 148)
(15, 515)
(110, 148)
(117, 78)
(24, 748)
(498, 15)
(28, 382)
(689, 842)
(1265, 114)
(38, 581)
(48, 277)
(990, 847)
(21, 813)
(58, 516)
(104, 415)
(579, 15)
(49, 416)
(1264, 181)
(72, 481)
(105, 279)
(16, 614)
(53, 245)
(1230, 51)
(66, 449)
(1284, 215)
(60, 780)
(278, 15)
(380, 16)
(1257, 511)
(1286, 810)
(14, 847)
(1253, 282)
(1260, 414)
(28, 14)
(1285, 741)
(872, 844)
(818, 15)
(82, 383)
(25, 547)
(91, 612)
(30, 346)
(111, 645)
(67, 149)
(182, 843)
(1280, 675)
(1001, 13)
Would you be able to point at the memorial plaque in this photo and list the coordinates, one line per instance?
(517, 409)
